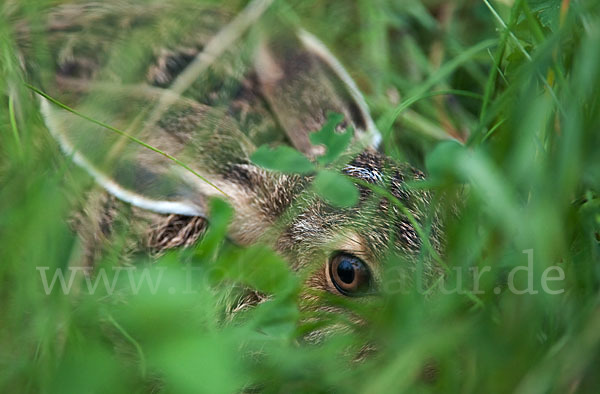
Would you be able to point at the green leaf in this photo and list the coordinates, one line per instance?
(336, 189)
(220, 216)
(282, 158)
(334, 142)
(260, 268)
(548, 12)
(441, 163)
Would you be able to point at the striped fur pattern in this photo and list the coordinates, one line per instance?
(272, 91)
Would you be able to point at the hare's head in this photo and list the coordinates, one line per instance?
(348, 246)
(199, 135)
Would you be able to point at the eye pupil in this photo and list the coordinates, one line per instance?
(345, 271)
(349, 274)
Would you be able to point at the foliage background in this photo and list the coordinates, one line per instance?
(529, 165)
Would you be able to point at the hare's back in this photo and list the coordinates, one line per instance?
(102, 48)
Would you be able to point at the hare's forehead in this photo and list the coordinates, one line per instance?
(375, 224)
(373, 167)
(370, 235)
(387, 222)
(368, 174)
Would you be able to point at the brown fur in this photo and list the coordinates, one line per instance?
(215, 127)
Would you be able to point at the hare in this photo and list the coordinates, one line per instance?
(207, 92)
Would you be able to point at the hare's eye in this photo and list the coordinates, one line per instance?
(349, 274)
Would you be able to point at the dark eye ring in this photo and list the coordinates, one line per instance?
(349, 274)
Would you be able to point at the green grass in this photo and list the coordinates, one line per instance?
(519, 85)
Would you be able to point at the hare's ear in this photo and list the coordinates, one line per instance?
(302, 82)
(135, 173)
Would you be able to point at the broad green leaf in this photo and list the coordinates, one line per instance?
(442, 161)
(336, 189)
(334, 142)
(220, 216)
(548, 12)
(262, 269)
(282, 158)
